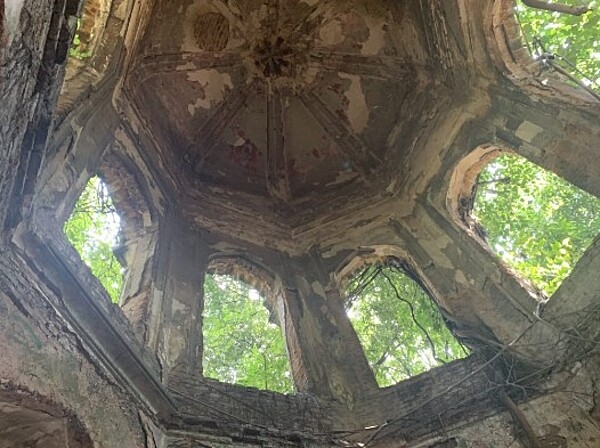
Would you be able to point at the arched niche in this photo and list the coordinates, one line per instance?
(28, 419)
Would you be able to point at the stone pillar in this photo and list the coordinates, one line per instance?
(325, 353)
(175, 331)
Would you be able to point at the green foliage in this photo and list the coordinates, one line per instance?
(399, 326)
(537, 222)
(77, 46)
(575, 38)
(241, 345)
(92, 229)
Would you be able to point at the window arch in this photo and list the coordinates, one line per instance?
(535, 221)
(399, 325)
(90, 28)
(93, 229)
(243, 342)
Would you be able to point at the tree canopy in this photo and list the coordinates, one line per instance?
(537, 222)
(93, 229)
(401, 329)
(241, 344)
(571, 39)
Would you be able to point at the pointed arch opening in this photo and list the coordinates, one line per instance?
(243, 342)
(400, 326)
(94, 229)
(536, 222)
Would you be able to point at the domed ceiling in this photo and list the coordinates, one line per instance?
(290, 101)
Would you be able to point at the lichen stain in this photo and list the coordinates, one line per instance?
(357, 109)
(214, 86)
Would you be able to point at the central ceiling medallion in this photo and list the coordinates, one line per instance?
(274, 58)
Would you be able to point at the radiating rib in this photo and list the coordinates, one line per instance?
(361, 158)
(213, 129)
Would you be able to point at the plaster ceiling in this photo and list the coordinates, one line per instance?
(285, 101)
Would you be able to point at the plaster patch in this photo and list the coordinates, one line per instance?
(528, 131)
(376, 40)
(318, 288)
(185, 67)
(310, 75)
(358, 112)
(331, 34)
(459, 277)
(214, 83)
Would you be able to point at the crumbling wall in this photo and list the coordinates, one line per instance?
(42, 354)
(25, 26)
(63, 339)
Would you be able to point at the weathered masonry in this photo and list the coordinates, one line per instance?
(286, 141)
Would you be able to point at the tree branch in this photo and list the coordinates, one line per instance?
(519, 417)
(557, 7)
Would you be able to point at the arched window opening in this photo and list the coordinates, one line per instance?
(537, 222)
(243, 343)
(564, 41)
(93, 229)
(401, 329)
(89, 28)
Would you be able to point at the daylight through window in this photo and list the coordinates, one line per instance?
(399, 326)
(241, 343)
(537, 222)
(93, 230)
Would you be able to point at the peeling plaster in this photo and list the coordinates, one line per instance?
(460, 277)
(358, 111)
(332, 34)
(310, 75)
(214, 84)
(156, 196)
(185, 67)
(13, 14)
(376, 40)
